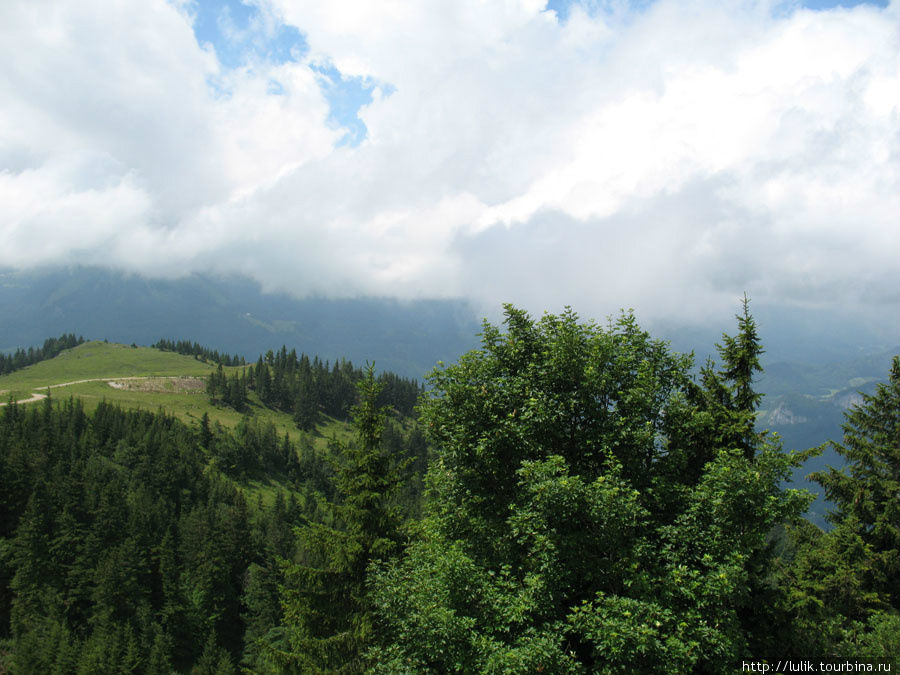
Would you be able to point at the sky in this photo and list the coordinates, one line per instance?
(661, 155)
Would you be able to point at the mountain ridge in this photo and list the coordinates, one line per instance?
(233, 315)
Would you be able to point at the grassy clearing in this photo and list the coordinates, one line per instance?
(98, 360)
(190, 406)
(185, 400)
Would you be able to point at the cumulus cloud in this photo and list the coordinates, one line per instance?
(666, 157)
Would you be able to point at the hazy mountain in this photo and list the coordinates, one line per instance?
(814, 363)
(232, 315)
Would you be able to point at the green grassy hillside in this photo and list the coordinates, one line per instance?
(98, 371)
(100, 360)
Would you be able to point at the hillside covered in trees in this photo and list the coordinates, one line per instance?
(568, 498)
(307, 387)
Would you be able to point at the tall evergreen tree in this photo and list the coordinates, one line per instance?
(740, 355)
(866, 493)
(327, 609)
(841, 589)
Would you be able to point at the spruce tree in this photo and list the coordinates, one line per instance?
(867, 492)
(740, 355)
(727, 394)
(206, 435)
(326, 605)
(841, 589)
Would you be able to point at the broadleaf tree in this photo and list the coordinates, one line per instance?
(585, 512)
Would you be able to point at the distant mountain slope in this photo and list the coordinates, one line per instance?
(148, 379)
(811, 373)
(232, 315)
(805, 403)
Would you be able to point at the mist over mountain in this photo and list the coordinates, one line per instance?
(815, 364)
(233, 315)
(818, 352)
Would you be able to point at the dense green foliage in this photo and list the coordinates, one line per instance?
(308, 388)
(591, 509)
(118, 548)
(124, 548)
(22, 358)
(590, 506)
(198, 351)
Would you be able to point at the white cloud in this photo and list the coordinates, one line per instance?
(663, 159)
(128, 84)
(36, 201)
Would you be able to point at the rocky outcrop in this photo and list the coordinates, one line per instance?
(784, 416)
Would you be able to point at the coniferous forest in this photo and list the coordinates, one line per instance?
(22, 358)
(568, 498)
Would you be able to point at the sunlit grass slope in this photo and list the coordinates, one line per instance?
(184, 398)
(100, 360)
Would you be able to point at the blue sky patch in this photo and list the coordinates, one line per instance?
(345, 95)
(240, 33)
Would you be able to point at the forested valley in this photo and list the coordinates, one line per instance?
(568, 498)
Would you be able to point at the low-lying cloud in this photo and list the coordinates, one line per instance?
(665, 158)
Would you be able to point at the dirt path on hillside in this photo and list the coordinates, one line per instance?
(34, 397)
(37, 396)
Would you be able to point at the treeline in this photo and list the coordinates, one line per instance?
(22, 358)
(199, 352)
(307, 387)
(124, 548)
